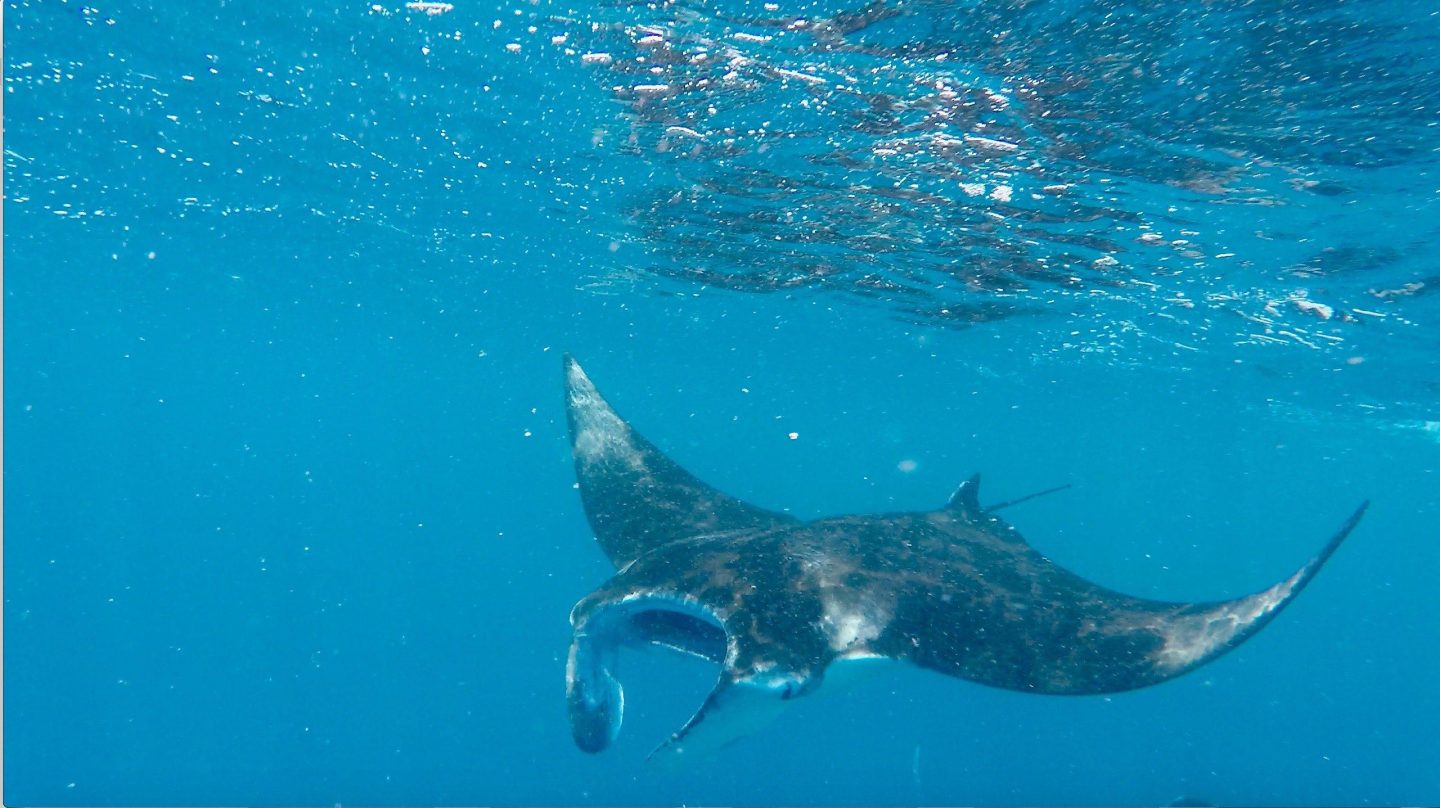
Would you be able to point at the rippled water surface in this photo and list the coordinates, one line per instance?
(291, 514)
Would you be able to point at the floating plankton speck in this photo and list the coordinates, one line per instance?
(430, 9)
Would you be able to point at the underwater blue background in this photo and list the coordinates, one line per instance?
(290, 515)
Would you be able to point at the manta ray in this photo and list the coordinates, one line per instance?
(776, 602)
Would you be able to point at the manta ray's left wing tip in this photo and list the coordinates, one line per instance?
(574, 374)
(635, 497)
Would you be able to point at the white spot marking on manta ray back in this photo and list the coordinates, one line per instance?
(1191, 639)
(851, 624)
(850, 617)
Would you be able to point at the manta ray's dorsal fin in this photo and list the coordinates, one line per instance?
(635, 497)
(966, 499)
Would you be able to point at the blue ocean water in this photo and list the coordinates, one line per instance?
(291, 514)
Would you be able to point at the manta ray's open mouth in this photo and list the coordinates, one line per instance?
(596, 698)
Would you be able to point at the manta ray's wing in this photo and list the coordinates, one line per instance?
(635, 497)
(987, 607)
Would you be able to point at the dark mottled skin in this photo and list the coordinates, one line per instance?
(634, 507)
(970, 599)
(955, 590)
